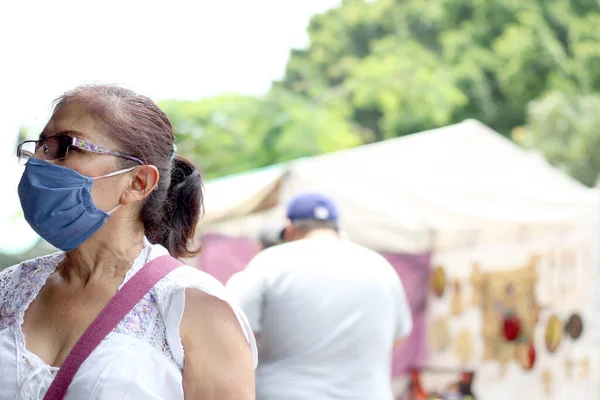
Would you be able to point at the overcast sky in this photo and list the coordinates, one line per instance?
(164, 49)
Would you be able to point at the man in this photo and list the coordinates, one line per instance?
(326, 312)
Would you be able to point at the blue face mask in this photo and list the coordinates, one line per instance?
(57, 203)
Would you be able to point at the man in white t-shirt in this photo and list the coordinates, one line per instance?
(326, 312)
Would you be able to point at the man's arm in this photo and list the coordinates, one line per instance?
(404, 321)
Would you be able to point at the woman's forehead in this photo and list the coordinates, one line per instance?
(73, 119)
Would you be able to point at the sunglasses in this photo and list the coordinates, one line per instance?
(57, 147)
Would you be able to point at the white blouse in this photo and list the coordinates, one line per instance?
(142, 358)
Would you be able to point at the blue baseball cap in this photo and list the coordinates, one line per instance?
(312, 206)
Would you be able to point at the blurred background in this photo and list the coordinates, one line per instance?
(460, 137)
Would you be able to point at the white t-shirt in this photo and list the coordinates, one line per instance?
(327, 313)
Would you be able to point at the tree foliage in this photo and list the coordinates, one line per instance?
(385, 68)
(234, 133)
(565, 128)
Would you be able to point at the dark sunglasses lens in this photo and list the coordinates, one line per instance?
(56, 147)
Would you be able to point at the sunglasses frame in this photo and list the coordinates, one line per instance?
(79, 144)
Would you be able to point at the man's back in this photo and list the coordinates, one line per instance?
(327, 314)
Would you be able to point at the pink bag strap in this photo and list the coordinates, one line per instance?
(116, 309)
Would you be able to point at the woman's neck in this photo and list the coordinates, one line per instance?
(104, 256)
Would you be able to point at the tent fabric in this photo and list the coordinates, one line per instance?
(431, 189)
(414, 272)
(240, 194)
(223, 256)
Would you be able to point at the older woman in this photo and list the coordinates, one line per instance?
(104, 185)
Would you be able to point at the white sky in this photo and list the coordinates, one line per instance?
(164, 49)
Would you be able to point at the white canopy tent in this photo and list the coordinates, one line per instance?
(393, 195)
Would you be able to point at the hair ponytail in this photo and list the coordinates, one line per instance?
(183, 208)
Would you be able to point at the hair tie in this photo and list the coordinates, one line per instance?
(174, 151)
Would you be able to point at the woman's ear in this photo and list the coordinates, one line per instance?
(145, 179)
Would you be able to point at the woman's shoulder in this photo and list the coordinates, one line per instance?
(171, 289)
(172, 299)
(22, 281)
(190, 277)
(28, 269)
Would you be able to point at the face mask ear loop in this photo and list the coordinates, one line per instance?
(109, 212)
(119, 172)
(122, 171)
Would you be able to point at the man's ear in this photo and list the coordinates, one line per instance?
(145, 179)
(288, 232)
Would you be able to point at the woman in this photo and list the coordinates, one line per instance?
(104, 185)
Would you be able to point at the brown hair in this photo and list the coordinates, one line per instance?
(308, 225)
(141, 129)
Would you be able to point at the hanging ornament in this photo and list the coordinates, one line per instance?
(456, 307)
(438, 281)
(553, 333)
(439, 334)
(525, 353)
(574, 326)
(547, 382)
(568, 367)
(476, 281)
(463, 346)
(511, 326)
(584, 368)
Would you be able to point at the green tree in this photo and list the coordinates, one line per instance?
(233, 133)
(565, 128)
(411, 65)
(386, 68)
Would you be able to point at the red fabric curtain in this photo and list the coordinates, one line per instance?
(414, 271)
(223, 256)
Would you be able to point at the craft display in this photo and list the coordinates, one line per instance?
(511, 326)
(547, 381)
(553, 333)
(574, 326)
(438, 281)
(463, 346)
(506, 295)
(526, 354)
(439, 334)
(505, 354)
(456, 302)
(584, 368)
(455, 390)
(476, 281)
(568, 367)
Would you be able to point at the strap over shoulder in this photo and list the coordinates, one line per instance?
(116, 309)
